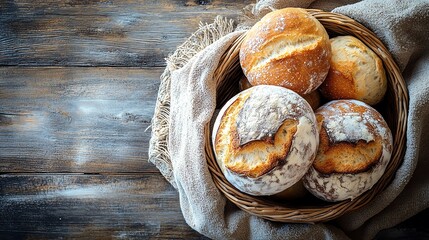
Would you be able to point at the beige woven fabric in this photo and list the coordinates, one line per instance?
(203, 37)
(186, 102)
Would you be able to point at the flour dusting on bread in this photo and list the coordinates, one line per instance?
(288, 48)
(265, 139)
(354, 149)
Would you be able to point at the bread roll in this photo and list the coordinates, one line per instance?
(356, 72)
(354, 150)
(265, 139)
(288, 48)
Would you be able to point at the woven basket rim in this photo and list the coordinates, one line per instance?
(397, 91)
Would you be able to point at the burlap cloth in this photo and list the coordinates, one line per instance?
(186, 102)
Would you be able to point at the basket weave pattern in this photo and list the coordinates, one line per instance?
(394, 109)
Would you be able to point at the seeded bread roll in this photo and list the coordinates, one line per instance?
(265, 139)
(288, 48)
(354, 149)
(356, 72)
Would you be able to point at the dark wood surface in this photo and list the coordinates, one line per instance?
(78, 83)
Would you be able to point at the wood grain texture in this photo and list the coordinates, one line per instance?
(141, 206)
(76, 119)
(101, 32)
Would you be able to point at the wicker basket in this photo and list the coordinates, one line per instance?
(394, 109)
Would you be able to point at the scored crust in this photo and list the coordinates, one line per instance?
(354, 150)
(278, 146)
(349, 155)
(288, 48)
(265, 139)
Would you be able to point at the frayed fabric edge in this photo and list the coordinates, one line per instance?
(206, 35)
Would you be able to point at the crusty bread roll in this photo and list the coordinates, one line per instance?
(354, 149)
(356, 72)
(265, 139)
(288, 48)
(312, 98)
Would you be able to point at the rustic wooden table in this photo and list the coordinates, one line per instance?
(78, 83)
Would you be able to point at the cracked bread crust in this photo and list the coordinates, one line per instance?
(265, 139)
(347, 156)
(288, 48)
(355, 148)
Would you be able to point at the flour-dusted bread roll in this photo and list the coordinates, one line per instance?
(356, 72)
(288, 48)
(265, 139)
(354, 150)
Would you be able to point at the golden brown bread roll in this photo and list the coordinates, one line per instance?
(354, 149)
(288, 48)
(356, 72)
(265, 139)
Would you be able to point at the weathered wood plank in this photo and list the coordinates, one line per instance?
(76, 119)
(100, 32)
(97, 206)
